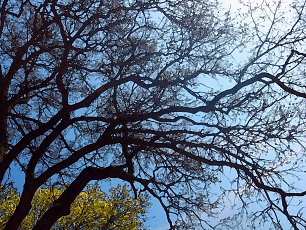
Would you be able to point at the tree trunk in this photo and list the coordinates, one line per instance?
(3, 126)
(61, 207)
(23, 207)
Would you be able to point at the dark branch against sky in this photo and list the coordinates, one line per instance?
(166, 96)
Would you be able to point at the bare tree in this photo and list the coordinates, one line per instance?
(156, 93)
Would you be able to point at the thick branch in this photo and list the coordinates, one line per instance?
(61, 207)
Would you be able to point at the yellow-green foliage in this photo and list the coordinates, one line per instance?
(9, 199)
(92, 209)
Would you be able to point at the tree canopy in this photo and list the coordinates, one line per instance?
(196, 104)
(92, 209)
